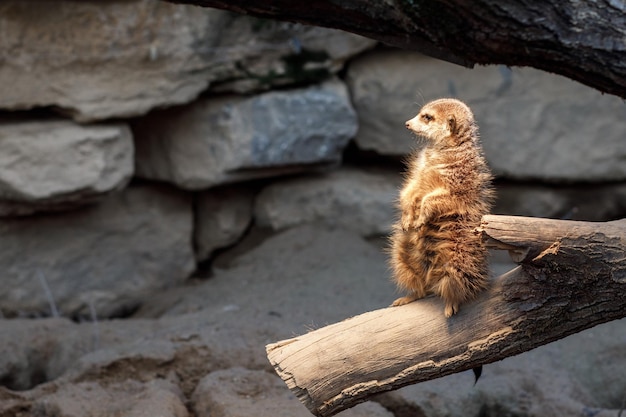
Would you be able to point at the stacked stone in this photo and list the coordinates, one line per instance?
(103, 197)
(138, 138)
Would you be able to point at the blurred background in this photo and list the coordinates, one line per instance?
(180, 186)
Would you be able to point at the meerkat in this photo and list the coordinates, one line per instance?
(447, 190)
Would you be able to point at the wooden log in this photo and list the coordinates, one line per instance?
(572, 277)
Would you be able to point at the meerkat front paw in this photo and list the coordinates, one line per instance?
(420, 222)
(406, 221)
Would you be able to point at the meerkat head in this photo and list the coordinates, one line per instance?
(446, 122)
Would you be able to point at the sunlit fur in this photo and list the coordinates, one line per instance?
(447, 189)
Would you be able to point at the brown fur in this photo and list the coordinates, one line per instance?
(434, 249)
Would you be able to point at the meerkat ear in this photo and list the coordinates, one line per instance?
(452, 124)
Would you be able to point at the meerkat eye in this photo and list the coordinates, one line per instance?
(427, 117)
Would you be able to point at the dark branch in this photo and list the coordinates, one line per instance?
(585, 41)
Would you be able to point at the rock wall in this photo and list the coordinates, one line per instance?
(84, 219)
(535, 126)
(222, 132)
(146, 146)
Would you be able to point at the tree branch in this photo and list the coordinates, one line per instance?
(584, 41)
(572, 277)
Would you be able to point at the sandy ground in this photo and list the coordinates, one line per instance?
(199, 350)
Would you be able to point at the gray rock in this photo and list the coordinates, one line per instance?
(262, 53)
(99, 60)
(534, 125)
(214, 141)
(99, 257)
(222, 216)
(129, 398)
(242, 392)
(387, 89)
(357, 200)
(52, 165)
(599, 202)
(35, 352)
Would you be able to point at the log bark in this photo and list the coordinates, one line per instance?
(585, 41)
(572, 277)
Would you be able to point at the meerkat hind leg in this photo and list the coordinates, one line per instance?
(450, 309)
(406, 300)
(453, 291)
